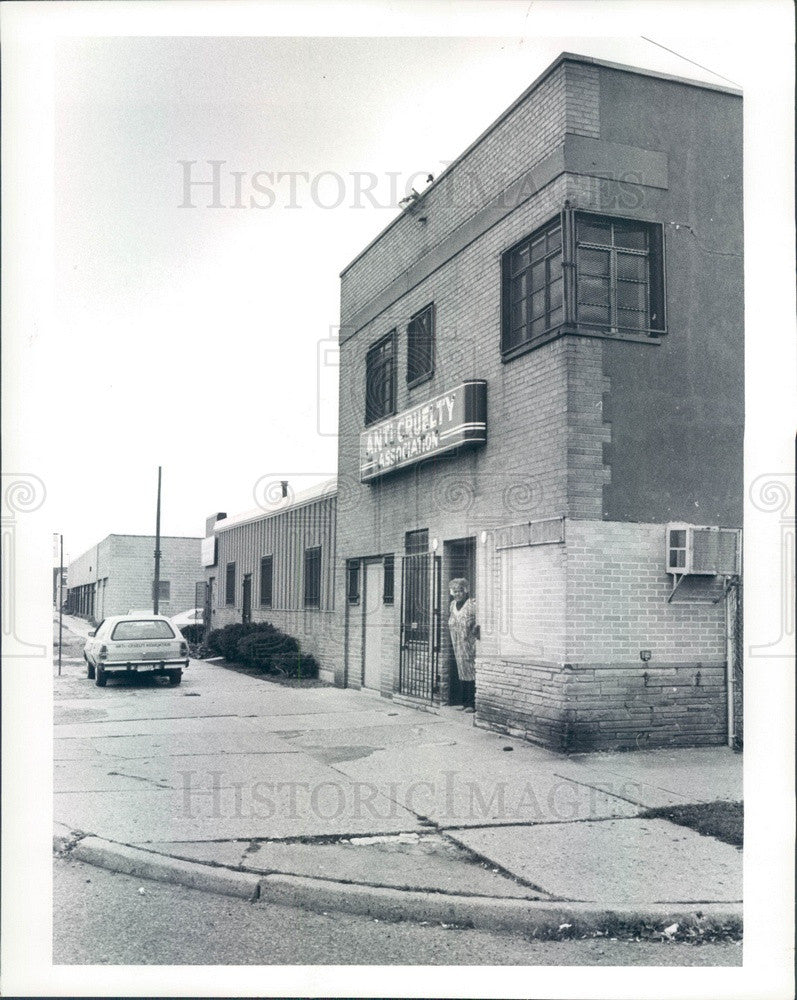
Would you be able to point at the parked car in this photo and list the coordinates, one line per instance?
(128, 644)
(194, 616)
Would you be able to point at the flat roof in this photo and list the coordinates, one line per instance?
(561, 58)
(328, 488)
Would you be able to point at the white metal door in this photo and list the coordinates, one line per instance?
(374, 625)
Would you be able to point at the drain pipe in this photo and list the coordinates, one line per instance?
(731, 652)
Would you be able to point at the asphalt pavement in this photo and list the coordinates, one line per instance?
(344, 800)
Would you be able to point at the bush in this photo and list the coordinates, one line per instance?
(299, 665)
(262, 646)
(193, 633)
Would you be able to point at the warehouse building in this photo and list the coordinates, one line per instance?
(276, 563)
(541, 390)
(117, 576)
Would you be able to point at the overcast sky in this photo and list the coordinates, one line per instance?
(188, 322)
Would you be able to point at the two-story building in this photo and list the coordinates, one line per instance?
(541, 390)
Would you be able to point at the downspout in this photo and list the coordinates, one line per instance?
(731, 652)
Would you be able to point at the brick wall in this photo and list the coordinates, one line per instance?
(587, 608)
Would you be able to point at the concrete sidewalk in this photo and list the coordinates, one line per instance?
(338, 799)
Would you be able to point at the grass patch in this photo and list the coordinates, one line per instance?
(293, 682)
(723, 820)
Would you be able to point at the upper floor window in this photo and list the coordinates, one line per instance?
(420, 346)
(618, 275)
(312, 577)
(533, 287)
(229, 589)
(380, 379)
(586, 272)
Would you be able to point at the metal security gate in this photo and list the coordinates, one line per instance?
(420, 625)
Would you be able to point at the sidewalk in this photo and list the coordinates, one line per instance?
(337, 800)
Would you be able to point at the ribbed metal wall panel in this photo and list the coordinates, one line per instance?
(285, 537)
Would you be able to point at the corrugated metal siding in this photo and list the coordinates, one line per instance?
(284, 537)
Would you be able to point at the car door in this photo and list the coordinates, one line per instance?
(93, 642)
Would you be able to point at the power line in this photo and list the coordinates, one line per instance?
(725, 78)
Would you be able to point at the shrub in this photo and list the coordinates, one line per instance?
(224, 641)
(294, 664)
(193, 633)
(258, 648)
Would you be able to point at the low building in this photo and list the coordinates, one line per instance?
(542, 390)
(276, 563)
(117, 576)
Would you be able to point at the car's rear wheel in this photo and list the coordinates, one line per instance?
(100, 677)
(89, 669)
(175, 676)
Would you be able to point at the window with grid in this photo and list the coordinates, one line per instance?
(618, 275)
(266, 581)
(420, 346)
(312, 577)
(533, 287)
(380, 379)
(229, 588)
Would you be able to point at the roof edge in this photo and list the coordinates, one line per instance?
(561, 58)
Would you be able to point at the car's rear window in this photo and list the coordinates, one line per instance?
(142, 630)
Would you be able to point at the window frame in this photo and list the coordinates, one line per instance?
(507, 277)
(389, 573)
(312, 563)
(656, 256)
(418, 378)
(229, 592)
(269, 603)
(377, 346)
(353, 575)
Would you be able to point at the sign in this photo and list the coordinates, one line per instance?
(208, 551)
(450, 421)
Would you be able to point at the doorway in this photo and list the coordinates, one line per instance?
(246, 609)
(374, 624)
(459, 561)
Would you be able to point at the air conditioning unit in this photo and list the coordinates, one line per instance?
(694, 550)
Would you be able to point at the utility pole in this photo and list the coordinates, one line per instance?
(157, 585)
(60, 604)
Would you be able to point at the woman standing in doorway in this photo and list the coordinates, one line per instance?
(464, 632)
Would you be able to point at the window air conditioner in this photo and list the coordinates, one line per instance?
(703, 551)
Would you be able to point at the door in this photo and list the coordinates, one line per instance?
(374, 625)
(420, 625)
(246, 609)
(460, 561)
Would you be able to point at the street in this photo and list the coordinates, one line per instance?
(238, 772)
(103, 918)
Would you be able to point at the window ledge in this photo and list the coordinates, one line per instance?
(426, 377)
(634, 338)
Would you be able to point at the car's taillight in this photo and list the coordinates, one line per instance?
(183, 649)
(103, 654)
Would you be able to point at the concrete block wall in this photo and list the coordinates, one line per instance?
(132, 570)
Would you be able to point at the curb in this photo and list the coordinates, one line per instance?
(490, 913)
(161, 868)
(532, 917)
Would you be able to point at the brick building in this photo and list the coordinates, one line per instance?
(276, 563)
(117, 576)
(542, 390)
